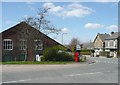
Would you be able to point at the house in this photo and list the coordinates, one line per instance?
(99, 42)
(22, 42)
(111, 44)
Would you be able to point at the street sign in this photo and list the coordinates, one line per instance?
(78, 47)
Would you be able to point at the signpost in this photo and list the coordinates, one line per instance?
(78, 48)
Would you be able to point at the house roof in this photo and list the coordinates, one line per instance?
(88, 45)
(15, 28)
(113, 36)
(102, 36)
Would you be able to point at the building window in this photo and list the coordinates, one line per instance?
(7, 44)
(38, 45)
(111, 43)
(106, 43)
(23, 44)
(115, 43)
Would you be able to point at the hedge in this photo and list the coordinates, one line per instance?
(85, 53)
(56, 53)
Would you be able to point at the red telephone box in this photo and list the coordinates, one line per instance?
(76, 58)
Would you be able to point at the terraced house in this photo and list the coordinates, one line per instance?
(111, 44)
(107, 42)
(99, 42)
(22, 42)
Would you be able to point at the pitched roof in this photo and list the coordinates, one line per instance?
(15, 28)
(103, 36)
(113, 36)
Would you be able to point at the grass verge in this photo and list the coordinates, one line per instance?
(27, 62)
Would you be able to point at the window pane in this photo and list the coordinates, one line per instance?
(4, 47)
(3, 43)
(7, 44)
(23, 44)
(38, 44)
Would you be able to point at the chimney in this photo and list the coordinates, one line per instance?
(112, 33)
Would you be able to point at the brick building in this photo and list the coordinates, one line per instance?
(22, 42)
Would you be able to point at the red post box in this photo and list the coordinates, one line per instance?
(76, 58)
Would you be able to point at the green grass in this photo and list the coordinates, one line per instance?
(28, 62)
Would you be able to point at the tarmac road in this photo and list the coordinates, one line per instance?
(103, 70)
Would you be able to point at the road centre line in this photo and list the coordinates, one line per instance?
(70, 75)
(92, 73)
(84, 74)
(107, 62)
(17, 81)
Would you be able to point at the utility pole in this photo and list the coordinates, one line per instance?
(62, 37)
(118, 46)
(90, 47)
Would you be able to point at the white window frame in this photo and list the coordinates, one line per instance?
(106, 43)
(115, 43)
(40, 45)
(23, 44)
(6, 45)
(111, 43)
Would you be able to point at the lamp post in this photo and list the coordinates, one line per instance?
(118, 46)
(90, 47)
(62, 36)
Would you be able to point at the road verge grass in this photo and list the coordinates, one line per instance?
(43, 62)
(27, 62)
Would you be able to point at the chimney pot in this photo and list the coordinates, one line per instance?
(112, 33)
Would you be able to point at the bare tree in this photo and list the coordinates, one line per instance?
(73, 43)
(41, 23)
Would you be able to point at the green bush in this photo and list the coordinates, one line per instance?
(85, 53)
(42, 58)
(56, 53)
(86, 50)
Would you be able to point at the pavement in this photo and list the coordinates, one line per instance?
(95, 70)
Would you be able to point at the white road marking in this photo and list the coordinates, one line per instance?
(16, 81)
(71, 75)
(84, 74)
(107, 62)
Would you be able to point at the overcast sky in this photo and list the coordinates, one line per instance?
(82, 20)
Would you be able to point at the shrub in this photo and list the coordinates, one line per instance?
(57, 53)
(86, 50)
(85, 53)
(42, 58)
